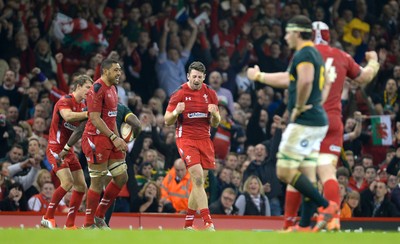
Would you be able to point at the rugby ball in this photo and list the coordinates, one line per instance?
(127, 132)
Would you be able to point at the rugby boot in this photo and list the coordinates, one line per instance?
(325, 216)
(101, 223)
(191, 228)
(334, 225)
(209, 227)
(70, 227)
(297, 228)
(48, 223)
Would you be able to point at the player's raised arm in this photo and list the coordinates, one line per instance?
(215, 116)
(171, 117)
(277, 80)
(369, 71)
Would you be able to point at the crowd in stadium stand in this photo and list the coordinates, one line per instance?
(44, 45)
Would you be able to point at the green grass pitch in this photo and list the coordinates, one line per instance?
(175, 237)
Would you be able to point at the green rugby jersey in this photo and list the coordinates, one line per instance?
(122, 112)
(315, 116)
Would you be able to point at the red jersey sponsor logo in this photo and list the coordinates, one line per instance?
(197, 115)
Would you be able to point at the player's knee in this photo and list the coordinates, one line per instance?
(326, 172)
(287, 164)
(197, 180)
(121, 179)
(117, 168)
(80, 187)
(67, 185)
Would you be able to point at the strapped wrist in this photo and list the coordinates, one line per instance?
(374, 65)
(113, 137)
(259, 76)
(174, 113)
(67, 147)
(299, 107)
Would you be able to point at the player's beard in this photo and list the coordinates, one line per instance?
(115, 80)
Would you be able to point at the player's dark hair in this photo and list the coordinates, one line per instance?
(199, 66)
(107, 63)
(303, 22)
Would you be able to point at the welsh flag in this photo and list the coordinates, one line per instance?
(381, 130)
(78, 32)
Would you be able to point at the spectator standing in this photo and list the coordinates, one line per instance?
(171, 62)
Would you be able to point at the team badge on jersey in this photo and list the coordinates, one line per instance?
(304, 143)
(205, 98)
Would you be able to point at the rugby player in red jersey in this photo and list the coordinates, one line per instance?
(68, 113)
(193, 108)
(102, 146)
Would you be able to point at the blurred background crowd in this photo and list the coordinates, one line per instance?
(45, 44)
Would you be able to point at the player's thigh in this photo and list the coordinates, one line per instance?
(118, 168)
(309, 165)
(301, 139)
(52, 157)
(297, 144)
(116, 155)
(333, 141)
(79, 178)
(188, 151)
(72, 161)
(65, 176)
(97, 174)
(97, 149)
(207, 153)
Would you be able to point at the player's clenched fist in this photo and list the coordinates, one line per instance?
(371, 55)
(213, 109)
(180, 107)
(253, 72)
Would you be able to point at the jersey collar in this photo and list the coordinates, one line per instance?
(305, 44)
